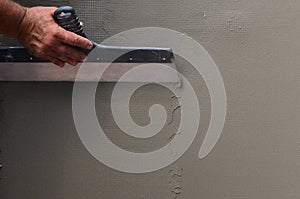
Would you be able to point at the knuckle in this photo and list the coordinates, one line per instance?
(46, 45)
(75, 54)
(59, 49)
(57, 34)
(76, 41)
(69, 53)
(64, 50)
(39, 52)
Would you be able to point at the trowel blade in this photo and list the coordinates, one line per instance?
(104, 64)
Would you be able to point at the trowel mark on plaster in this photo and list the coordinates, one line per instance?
(175, 182)
(175, 172)
(176, 192)
(174, 134)
(172, 113)
(172, 117)
(176, 97)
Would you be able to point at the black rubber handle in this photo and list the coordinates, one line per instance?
(66, 17)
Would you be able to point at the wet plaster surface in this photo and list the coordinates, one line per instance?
(255, 45)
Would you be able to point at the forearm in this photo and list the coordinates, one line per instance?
(11, 15)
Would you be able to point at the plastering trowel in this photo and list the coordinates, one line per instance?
(17, 64)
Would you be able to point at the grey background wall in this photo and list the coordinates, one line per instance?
(255, 45)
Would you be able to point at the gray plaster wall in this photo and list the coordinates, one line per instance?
(256, 47)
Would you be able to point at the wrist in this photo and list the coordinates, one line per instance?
(21, 21)
(20, 24)
(11, 15)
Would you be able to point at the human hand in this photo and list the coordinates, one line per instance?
(44, 38)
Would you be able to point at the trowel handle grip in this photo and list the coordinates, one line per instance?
(66, 17)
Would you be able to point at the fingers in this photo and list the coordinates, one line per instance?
(69, 52)
(61, 53)
(59, 59)
(55, 61)
(64, 59)
(73, 39)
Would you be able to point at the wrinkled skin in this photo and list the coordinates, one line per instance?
(44, 38)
